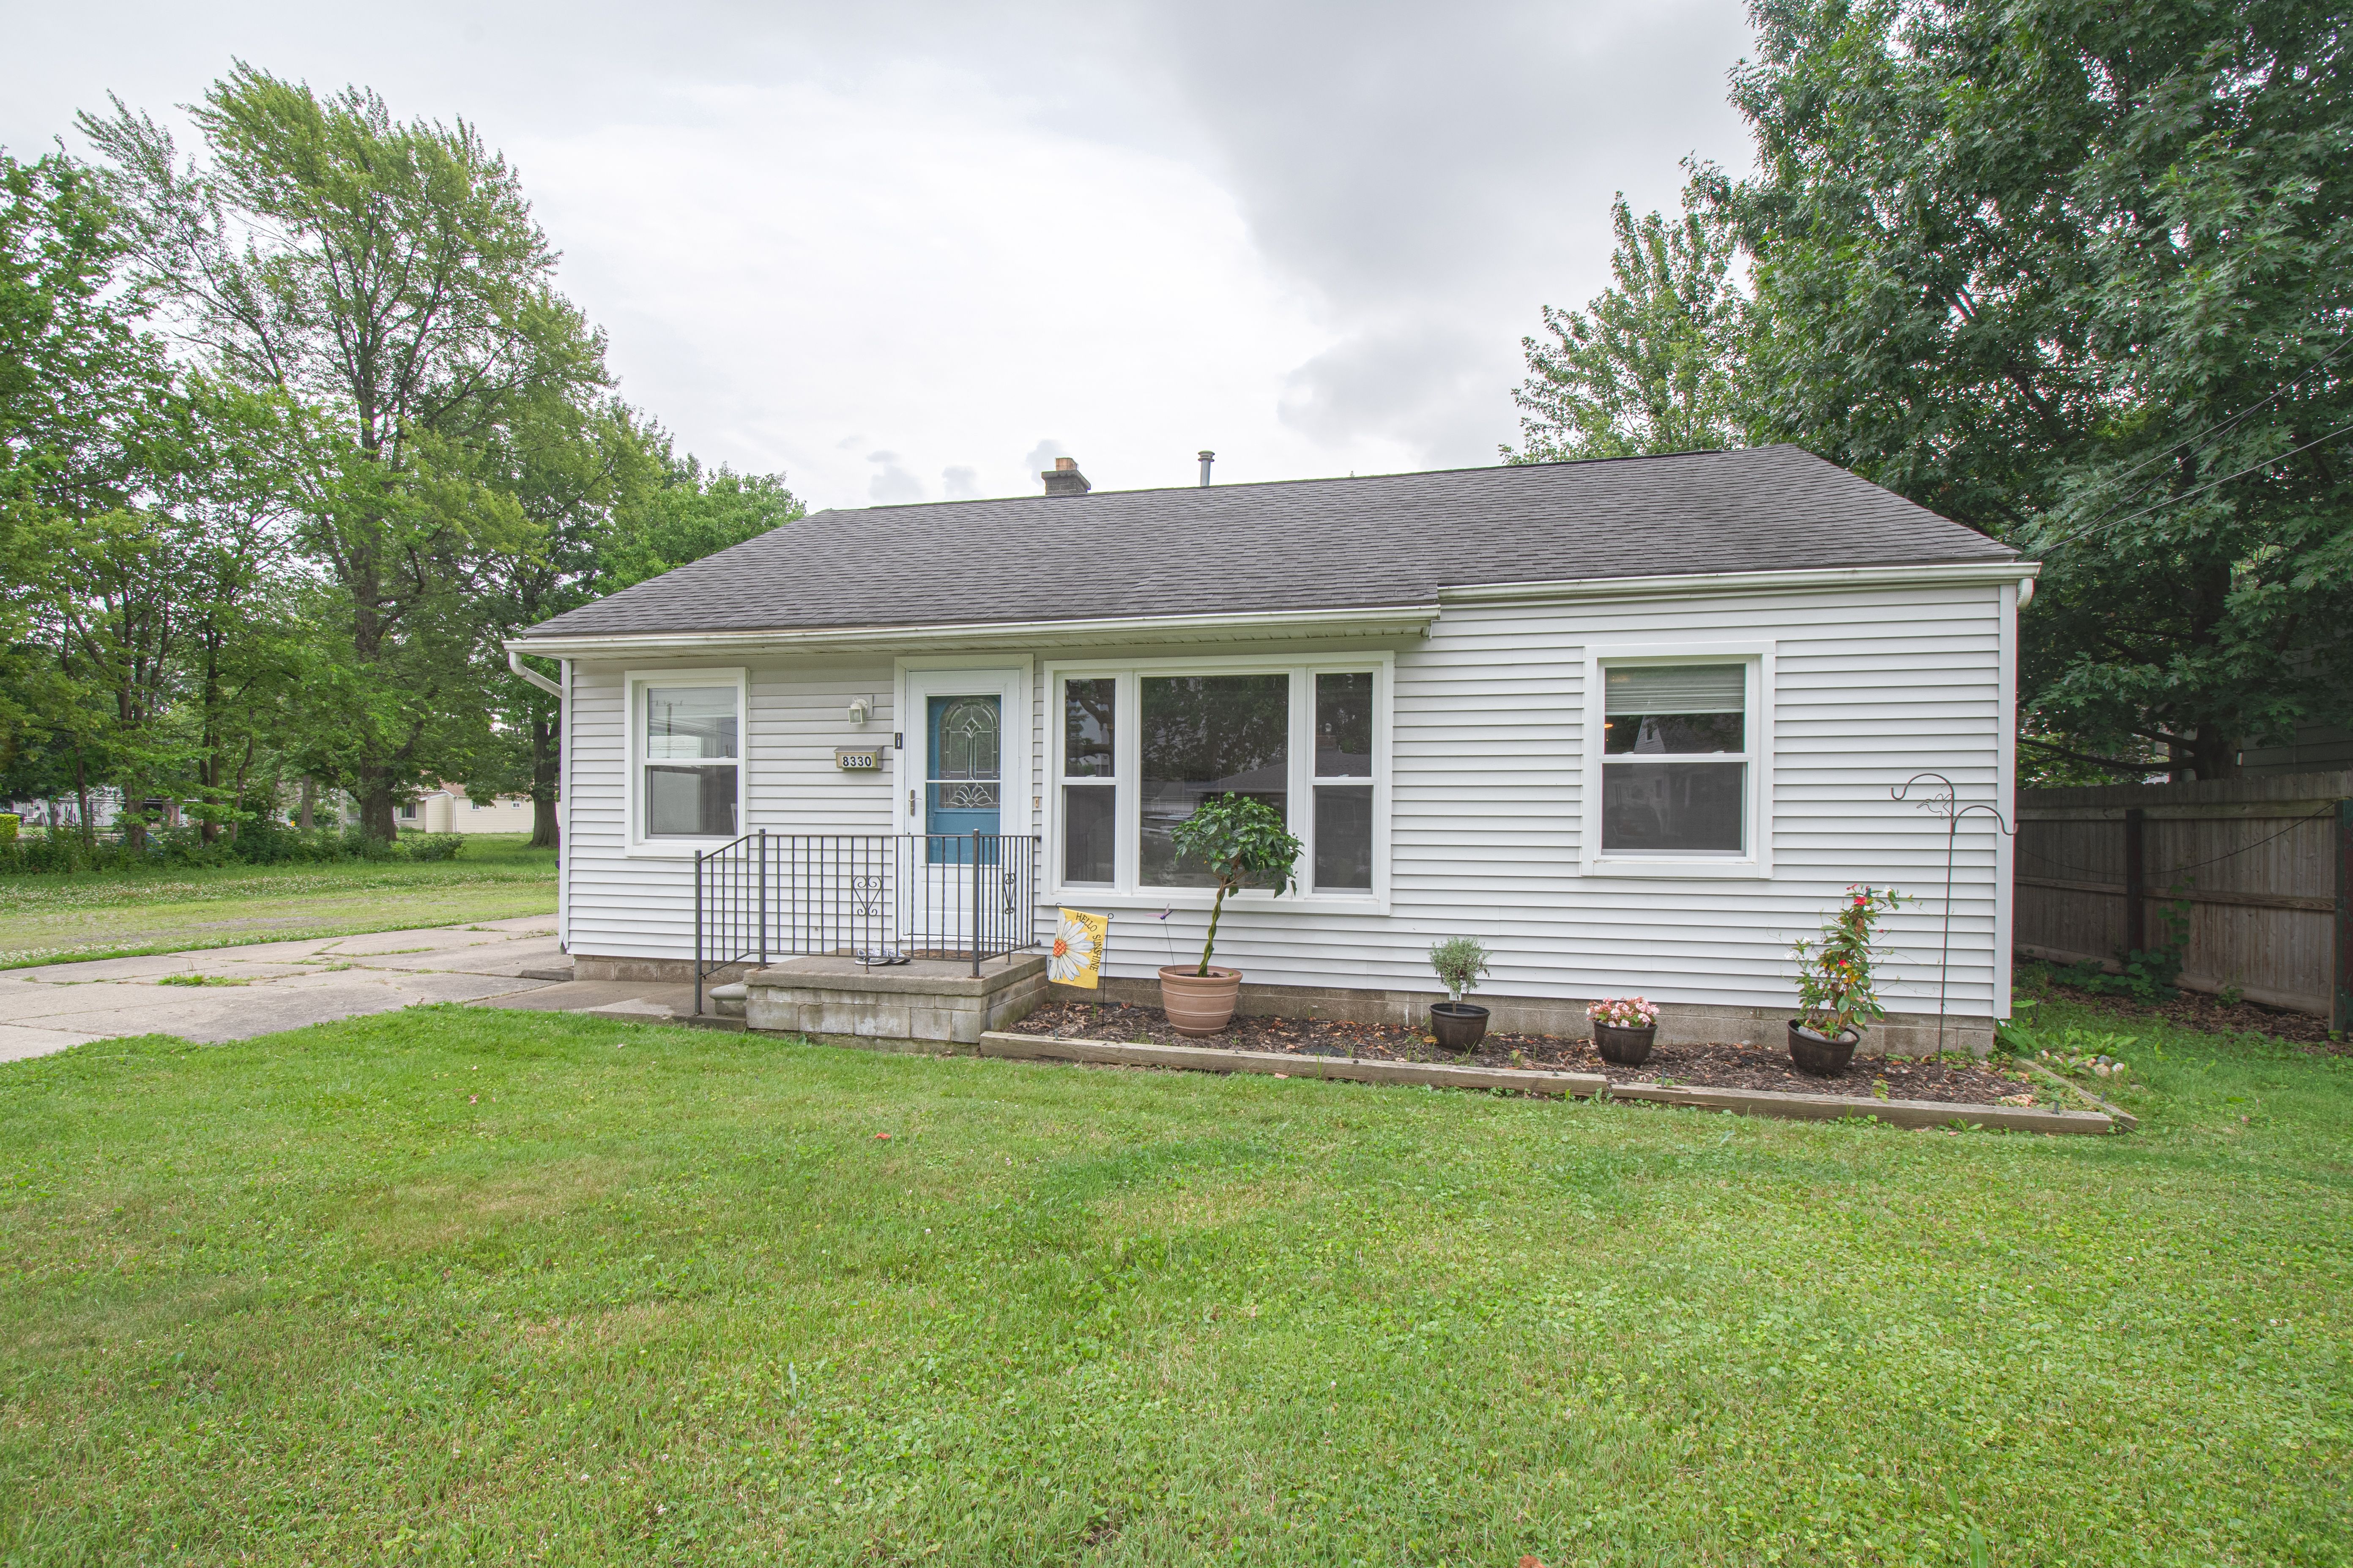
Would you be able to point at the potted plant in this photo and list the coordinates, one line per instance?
(1836, 986)
(1241, 840)
(1624, 1028)
(1454, 1023)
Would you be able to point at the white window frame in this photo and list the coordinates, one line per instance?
(1756, 860)
(1126, 892)
(634, 685)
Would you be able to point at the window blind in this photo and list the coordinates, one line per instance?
(1677, 689)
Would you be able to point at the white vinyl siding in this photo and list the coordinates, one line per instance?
(1486, 776)
(621, 905)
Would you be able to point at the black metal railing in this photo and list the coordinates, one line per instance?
(880, 898)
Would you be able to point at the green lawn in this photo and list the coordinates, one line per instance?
(112, 914)
(453, 1286)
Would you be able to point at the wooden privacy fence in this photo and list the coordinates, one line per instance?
(2264, 865)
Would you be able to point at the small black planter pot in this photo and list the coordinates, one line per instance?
(1627, 1047)
(1458, 1026)
(1819, 1053)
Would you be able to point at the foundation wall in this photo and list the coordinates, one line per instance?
(1897, 1035)
(901, 1004)
(916, 1003)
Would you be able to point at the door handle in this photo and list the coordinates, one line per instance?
(912, 808)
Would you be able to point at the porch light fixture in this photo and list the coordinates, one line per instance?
(859, 709)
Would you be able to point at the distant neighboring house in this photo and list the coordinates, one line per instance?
(446, 809)
(65, 810)
(2315, 748)
(1636, 724)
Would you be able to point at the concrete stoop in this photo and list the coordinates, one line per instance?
(928, 1002)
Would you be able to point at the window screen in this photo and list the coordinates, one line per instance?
(1091, 790)
(689, 780)
(1658, 796)
(1205, 735)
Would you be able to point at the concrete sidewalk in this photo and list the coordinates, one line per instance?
(287, 984)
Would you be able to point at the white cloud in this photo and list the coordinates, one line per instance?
(891, 485)
(1309, 235)
(1041, 458)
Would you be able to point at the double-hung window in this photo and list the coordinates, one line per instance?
(1141, 747)
(690, 765)
(1676, 761)
(1344, 781)
(1090, 781)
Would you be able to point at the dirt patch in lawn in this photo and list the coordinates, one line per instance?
(1957, 1081)
(2212, 1016)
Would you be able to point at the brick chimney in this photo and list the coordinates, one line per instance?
(1064, 478)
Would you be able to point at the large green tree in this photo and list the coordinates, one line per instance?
(613, 505)
(381, 287)
(1652, 364)
(2081, 275)
(90, 424)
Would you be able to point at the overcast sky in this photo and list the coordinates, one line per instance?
(913, 252)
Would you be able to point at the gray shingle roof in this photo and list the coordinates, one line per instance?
(1391, 539)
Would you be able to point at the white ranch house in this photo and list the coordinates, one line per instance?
(1635, 724)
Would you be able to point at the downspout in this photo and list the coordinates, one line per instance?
(563, 695)
(514, 662)
(564, 816)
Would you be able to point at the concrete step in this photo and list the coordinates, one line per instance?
(727, 1001)
(546, 972)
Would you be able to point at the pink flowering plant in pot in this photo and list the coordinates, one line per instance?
(1837, 985)
(1624, 1028)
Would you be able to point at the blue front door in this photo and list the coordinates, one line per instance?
(962, 775)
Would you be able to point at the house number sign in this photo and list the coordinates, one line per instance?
(858, 759)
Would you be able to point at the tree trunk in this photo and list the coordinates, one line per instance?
(545, 761)
(82, 795)
(2214, 753)
(309, 801)
(377, 808)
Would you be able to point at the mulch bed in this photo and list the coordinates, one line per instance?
(2209, 1014)
(1954, 1080)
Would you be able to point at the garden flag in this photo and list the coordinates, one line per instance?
(1078, 949)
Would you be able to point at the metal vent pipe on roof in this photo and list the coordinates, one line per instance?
(1207, 457)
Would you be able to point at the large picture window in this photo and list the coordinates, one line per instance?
(1676, 759)
(691, 760)
(1137, 750)
(1205, 735)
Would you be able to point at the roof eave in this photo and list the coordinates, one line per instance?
(1387, 620)
(1947, 574)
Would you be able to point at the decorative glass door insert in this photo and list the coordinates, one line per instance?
(964, 773)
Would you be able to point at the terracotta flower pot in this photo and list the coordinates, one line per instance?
(1819, 1053)
(1627, 1047)
(1199, 1004)
(1458, 1025)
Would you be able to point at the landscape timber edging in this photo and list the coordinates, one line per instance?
(1282, 1064)
(1898, 1113)
(1524, 1080)
(2123, 1118)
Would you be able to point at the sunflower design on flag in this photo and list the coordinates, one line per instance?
(1078, 952)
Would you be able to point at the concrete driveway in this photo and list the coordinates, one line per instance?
(287, 984)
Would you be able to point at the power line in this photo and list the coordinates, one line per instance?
(2189, 495)
(2201, 438)
(2171, 872)
(2213, 430)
